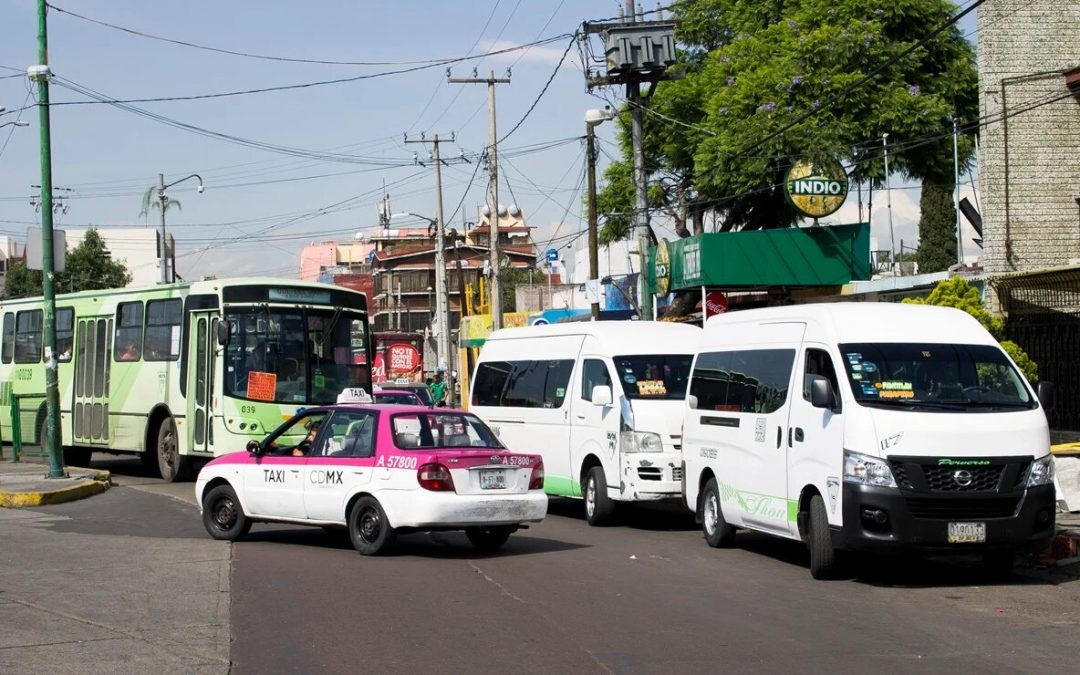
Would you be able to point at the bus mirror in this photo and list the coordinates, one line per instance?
(254, 447)
(821, 393)
(224, 329)
(1045, 391)
(601, 395)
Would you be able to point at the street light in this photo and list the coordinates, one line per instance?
(593, 118)
(163, 202)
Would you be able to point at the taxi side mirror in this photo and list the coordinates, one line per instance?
(224, 332)
(254, 447)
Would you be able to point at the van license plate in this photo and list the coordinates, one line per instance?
(967, 533)
(493, 480)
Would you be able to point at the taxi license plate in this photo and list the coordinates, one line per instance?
(493, 480)
(967, 533)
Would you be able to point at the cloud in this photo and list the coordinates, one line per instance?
(547, 54)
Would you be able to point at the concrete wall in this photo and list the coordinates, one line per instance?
(1018, 39)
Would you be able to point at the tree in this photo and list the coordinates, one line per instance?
(89, 266)
(510, 278)
(937, 230)
(750, 68)
(958, 293)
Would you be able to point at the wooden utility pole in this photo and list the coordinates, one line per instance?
(594, 252)
(493, 171)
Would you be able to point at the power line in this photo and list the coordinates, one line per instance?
(542, 91)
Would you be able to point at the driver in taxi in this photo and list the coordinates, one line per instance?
(302, 448)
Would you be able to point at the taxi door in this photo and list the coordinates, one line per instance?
(273, 487)
(341, 462)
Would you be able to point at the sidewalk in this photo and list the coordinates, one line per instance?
(24, 484)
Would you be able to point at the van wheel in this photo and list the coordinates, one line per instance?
(488, 539)
(171, 465)
(369, 529)
(599, 508)
(822, 553)
(998, 565)
(223, 517)
(717, 531)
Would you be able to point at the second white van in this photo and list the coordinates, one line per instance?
(602, 403)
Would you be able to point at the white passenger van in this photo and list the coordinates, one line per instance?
(870, 427)
(602, 402)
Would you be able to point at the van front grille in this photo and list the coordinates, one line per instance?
(962, 508)
(650, 473)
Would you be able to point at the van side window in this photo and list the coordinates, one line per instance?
(538, 384)
(490, 381)
(9, 337)
(750, 381)
(818, 362)
(594, 374)
(28, 326)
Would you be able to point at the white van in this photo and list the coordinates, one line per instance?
(869, 427)
(602, 402)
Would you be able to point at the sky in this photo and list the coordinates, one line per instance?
(260, 207)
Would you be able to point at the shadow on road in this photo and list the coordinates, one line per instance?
(442, 545)
(653, 516)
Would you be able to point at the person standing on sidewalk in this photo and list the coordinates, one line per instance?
(438, 389)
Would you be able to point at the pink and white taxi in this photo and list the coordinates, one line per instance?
(377, 470)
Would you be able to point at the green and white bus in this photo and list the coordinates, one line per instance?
(182, 371)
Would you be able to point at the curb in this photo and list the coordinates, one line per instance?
(99, 481)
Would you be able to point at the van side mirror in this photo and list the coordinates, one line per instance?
(691, 400)
(601, 395)
(224, 332)
(254, 447)
(821, 393)
(1045, 391)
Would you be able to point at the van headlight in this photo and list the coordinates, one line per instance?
(867, 470)
(641, 441)
(1041, 472)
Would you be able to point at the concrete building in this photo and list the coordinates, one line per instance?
(343, 257)
(136, 247)
(1029, 84)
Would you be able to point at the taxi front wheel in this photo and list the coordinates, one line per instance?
(369, 529)
(223, 516)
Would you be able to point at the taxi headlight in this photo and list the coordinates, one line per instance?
(641, 441)
(1041, 472)
(867, 470)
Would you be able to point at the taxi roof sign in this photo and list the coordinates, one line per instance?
(354, 395)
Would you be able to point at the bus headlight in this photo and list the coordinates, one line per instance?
(867, 470)
(641, 441)
(1041, 472)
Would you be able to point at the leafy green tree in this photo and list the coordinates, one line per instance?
(750, 68)
(937, 229)
(510, 279)
(89, 266)
(958, 293)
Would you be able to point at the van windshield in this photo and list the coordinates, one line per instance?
(934, 377)
(654, 376)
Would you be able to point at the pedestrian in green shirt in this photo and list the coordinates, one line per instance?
(438, 389)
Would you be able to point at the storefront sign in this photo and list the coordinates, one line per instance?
(662, 268)
(816, 189)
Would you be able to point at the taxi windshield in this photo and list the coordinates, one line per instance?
(654, 376)
(949, 377)
(294, 355)
(428, 430)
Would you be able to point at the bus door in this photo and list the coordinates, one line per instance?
(93, 360)
(201, 399)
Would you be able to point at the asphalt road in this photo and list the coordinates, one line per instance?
(648, 596)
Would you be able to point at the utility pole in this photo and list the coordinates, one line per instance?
(888, 205)
(40, 74)
(442, 299)
(592, 119)
(493, 171)
(956, 179)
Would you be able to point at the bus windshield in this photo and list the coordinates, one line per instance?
(295, 355)
(654, 376)
(934, 377)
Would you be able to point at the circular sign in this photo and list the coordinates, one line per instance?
(816, 189)
(404, 358)
(662, 267)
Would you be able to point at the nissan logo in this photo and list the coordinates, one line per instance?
(497, 459)
(962, 478)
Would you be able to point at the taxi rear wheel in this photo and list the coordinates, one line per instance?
(223, 516)
(488, 538)
(369, 529)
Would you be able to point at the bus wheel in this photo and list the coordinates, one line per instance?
(172, 466)
(822, 553)
(599, 508)
(718, 533)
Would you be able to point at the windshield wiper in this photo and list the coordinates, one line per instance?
(328, 332)
(997, 404)
(913, 403)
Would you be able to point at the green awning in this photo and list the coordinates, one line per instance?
(796, 256)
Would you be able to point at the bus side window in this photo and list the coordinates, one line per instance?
(8, 349)
(65, 333)
(28, 327)
(162, 341)
(127, 344)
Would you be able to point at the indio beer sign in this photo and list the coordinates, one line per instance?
(818, 188)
